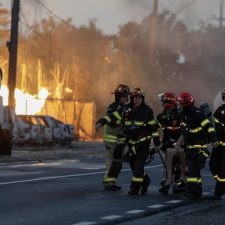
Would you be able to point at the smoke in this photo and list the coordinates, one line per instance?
(190, 11)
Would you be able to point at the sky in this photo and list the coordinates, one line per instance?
(109, 14)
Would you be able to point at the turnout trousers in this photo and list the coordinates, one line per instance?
(195, 162)
(137, 164)
(113, 158)
(217, 167)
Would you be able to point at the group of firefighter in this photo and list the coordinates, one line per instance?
(190, 135)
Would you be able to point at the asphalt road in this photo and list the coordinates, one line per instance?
(67, 190)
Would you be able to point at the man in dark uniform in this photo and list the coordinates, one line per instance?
(114, 140)
(197, 131)
(169, 120)
(217, 159)
(140, 127)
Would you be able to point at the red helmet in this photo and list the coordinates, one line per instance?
(122, 90)
(185, 99)
(168, 99)
(137, 92)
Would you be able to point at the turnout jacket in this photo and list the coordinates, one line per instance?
(196, 129)
(169, 120)
(219, 121)
(112, 132)
(138, 124)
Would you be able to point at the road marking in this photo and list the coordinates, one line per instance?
(63, 176)
(135, 211)
(174, 201)
(84, 223)
(155, 206)
(206, 193)
(50, 178)
(111, 217)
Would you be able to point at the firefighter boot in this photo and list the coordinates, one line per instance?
(218, 192)
(145, 184)
(179, 187)
(165, 189)
(134, 188)
(110, 186)
(190, 195)
(216, 197)
(113, 187)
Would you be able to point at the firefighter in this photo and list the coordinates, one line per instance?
(140, 127)
(113, 139)
(196, 130)
(169, 120)
(217, 159)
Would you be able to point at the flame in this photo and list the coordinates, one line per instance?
(4, 92)
(26, 103)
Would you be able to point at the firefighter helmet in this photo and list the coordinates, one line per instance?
(122, 90)
(137, 92)
(223, 95)
(168, 99)
(185, 99)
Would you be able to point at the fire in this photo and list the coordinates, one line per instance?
(26, 104)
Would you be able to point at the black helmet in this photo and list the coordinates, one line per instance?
(122, 90)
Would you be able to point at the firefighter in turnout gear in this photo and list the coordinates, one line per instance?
(217, 159)
(169, 120)
(197, 131)
(140, 127)
(113, 139)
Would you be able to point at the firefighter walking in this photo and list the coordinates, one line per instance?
(140, 127)
(113, 139)
(169, 120)
(197, 132)
(217, 159)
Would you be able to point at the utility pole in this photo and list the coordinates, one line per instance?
(221, 18)
(12, 47)
(154, 16)
(155, 8)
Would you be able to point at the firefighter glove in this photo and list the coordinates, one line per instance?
(98, 127)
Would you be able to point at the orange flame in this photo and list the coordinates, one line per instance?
(25, 102)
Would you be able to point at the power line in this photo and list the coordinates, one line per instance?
(121, 40)
(148, 29)
(44, 39)
(55, 15)
(184, 7)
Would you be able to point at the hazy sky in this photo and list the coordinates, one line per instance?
(112, 13)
